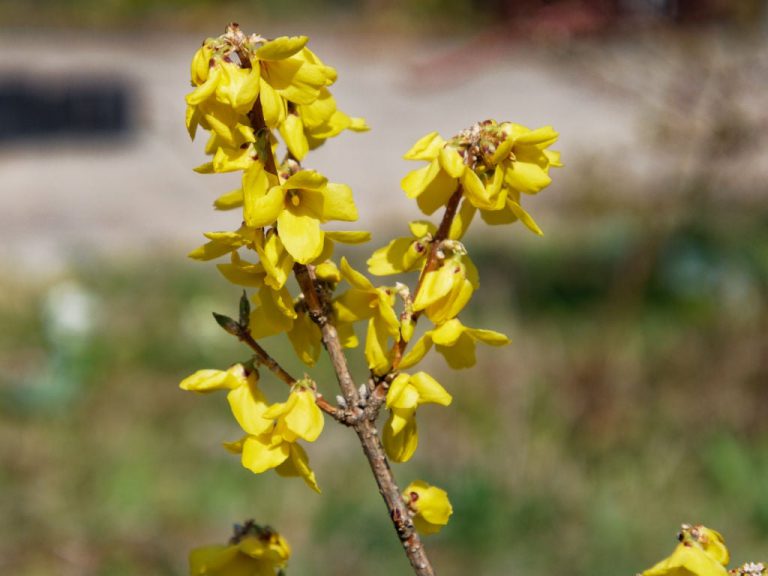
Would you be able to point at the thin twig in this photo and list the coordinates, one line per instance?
(244, 335)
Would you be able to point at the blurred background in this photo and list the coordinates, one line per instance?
(633, 398)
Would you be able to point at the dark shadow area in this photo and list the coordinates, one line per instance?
(80, 108)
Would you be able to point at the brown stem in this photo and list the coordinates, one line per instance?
(305, 275)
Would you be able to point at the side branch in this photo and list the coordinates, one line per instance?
(244, 335)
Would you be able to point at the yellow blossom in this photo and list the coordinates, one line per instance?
(299, 206)
(257, 552)
(403, 254)
(246, 401)
(494, 163)
(299, 416)
(405, 394)
(455, 342)
(445, 291)
(364, 301)
(430, 506)
(701, 552)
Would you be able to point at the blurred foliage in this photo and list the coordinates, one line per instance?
(632, 399)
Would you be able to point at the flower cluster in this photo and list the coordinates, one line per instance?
(253, 550)
(260, 100)
(271, 431)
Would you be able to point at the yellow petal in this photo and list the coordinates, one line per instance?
(415, 182)
(229, 200)
(400, 447)
(437, 193)
(272, 105)
(394, 258)
(435, 285)
(430, 390)
(281, 48)
(355, 278)
(210, 380)
(349, 236)
(397, 388)
(417, 352)
(264, 210)
(307, 179)
(433, 509)
(260, 453)
(298, 465)
(452, 162)
(292, 132)
(305, 419)
(526, 177)
(524, 217)
(475, 190)
(376, 351)
(447, 334)
(421, 228)
(248, 405)
(338, 203)
(301, 235)
(461, 354)
(427, 148)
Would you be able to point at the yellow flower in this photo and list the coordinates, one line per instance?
(363, 301)
(455, 342)
(405, 394)
(444, 292)
(275, 446)
(493, 162)
(258, 551)
(299, 416)
(299, 206)
(430, 506)
(221, 243)
(246, 401)
(403, 254)
(701, 552)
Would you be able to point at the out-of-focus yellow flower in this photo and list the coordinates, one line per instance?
(405, 394)
(256, 551)
(701, 552)
(430, 506)
(455, 342)
(299, 206)
(364, 301)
